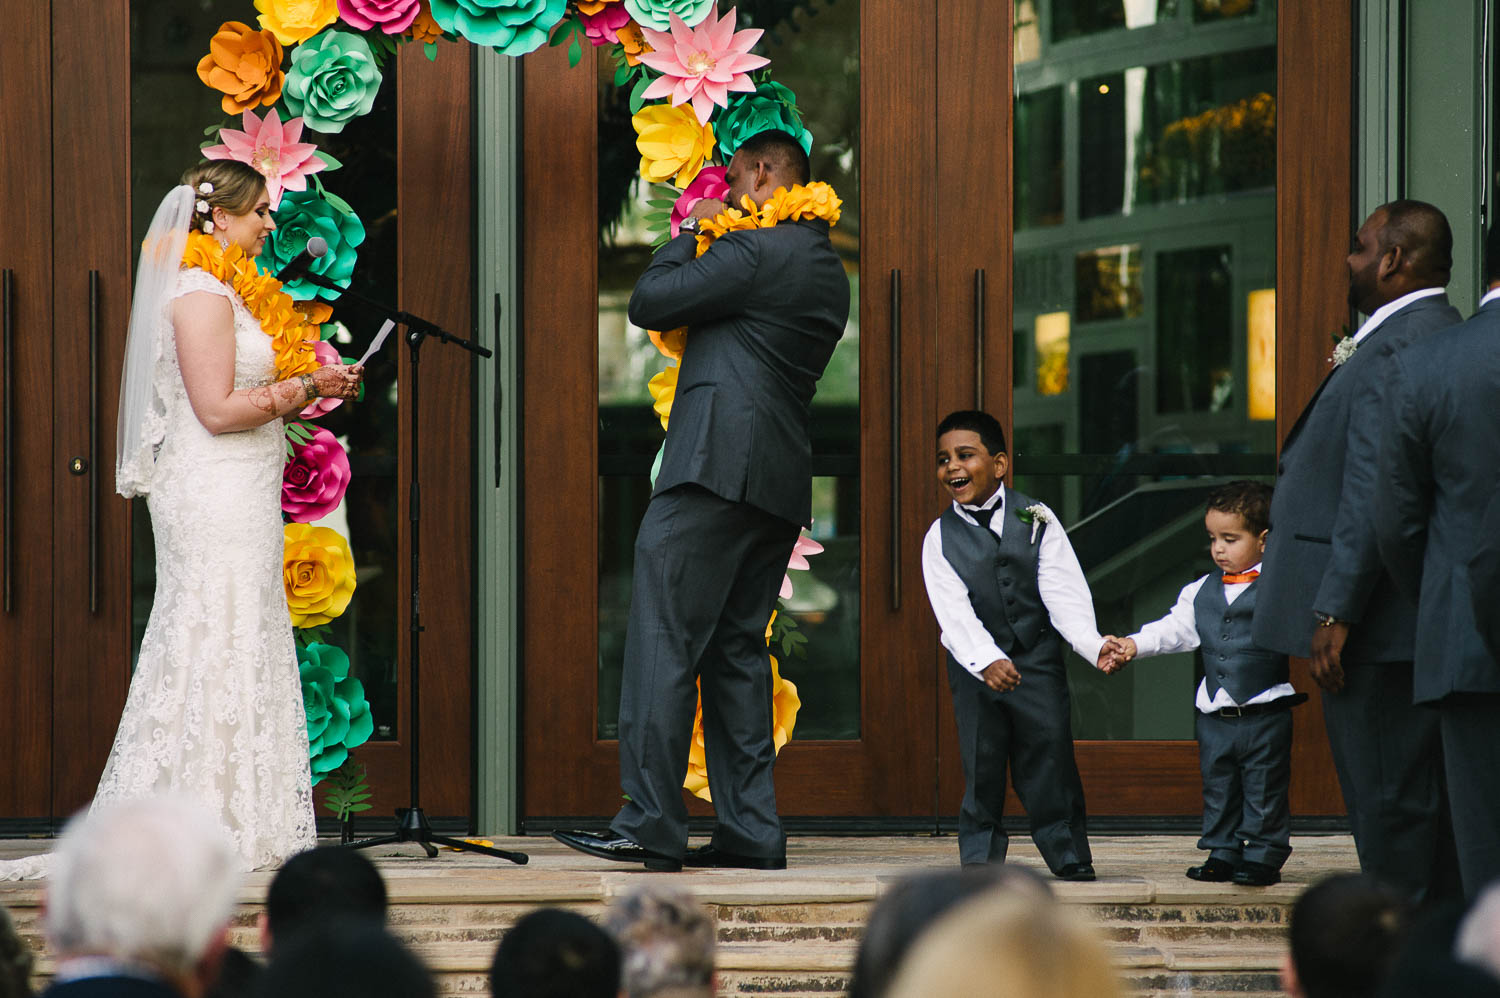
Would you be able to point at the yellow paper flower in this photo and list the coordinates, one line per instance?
(295, 21)
(670, 343)
(672, 143)
(784, 707)
(318, 573)
(663, 389)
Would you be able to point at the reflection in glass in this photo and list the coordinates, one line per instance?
(817, 57)
(1194, 330)
(1038, 158)
(169, 109)
(1072, 18)
(1222, 10)
(1108, 283)
(1052, 353)
(1261, 351)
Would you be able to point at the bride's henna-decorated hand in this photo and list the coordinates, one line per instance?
(338, 381)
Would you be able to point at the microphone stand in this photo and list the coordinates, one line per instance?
(411, 822)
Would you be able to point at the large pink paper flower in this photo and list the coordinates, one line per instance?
(273, 149)
(391, 16)
(709, 183)
(805, 546)
(702, 64)
(315, 478)
(326, 354)
(600, 27)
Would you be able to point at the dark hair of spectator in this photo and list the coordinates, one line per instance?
(781, 152)
(916, 902)
(552, 953)
(991, 434)
(1251, 501)
(323, 883)
(356, 959)
(1422, 232)
(1345, 931)
(15, 960)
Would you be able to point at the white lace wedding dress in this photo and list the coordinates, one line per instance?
(215, 705)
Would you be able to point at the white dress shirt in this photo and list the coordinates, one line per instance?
(1178, 631)
(1059, 579)
(1489, 297)
(1389, 309)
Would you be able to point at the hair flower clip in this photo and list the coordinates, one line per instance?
(208, 227)
(202, 206)
(205, 188)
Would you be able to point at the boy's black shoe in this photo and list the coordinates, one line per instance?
(612, 845)
(1075, 871)
(712, 857)
(1254, 874)
(1214, 871)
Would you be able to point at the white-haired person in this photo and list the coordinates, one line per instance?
(139, 901)
(666, 943)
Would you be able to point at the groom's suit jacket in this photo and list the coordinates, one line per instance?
(1441, 467)
(1321, 553)
(765, 308)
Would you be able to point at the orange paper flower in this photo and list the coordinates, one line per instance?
(245, 64)
(634, 42)
(669, 343)
(424, 29)
(593, 6)
(295, 21)
(318, 573)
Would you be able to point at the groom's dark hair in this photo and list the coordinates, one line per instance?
(781, 152)
(1423, 233)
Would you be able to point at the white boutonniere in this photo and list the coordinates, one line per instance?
(1036, 514)
(1343, 350)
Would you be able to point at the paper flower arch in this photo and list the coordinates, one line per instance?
(697, 92)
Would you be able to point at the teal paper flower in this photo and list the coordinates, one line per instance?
(333, 79)
(657, 14)
(512, 27)
(338, 715)
(771, 107)
(302, 215)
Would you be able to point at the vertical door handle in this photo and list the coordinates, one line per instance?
(7, 432)
(979, 338)
(93, 478)
(895, 402)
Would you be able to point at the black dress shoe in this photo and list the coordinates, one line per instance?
(1215, 871)
(612, 845)
(1254, 874)
(1075, 871)
(711, 856)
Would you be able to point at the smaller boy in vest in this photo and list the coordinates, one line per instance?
(1244, 719)
(1007, 590)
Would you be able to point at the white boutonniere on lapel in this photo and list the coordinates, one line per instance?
(1036, 514)
(1343, 347)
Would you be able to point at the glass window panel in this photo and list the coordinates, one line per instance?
(170, 108)
(817, 57)
(1038, 158)
(1073, 18)
(1222, 10)
(1177, 131)
(1107, 283)
(1194, 330)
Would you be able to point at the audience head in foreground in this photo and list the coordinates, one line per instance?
(1007, 942)
(1345, 930)
(142, 888)
(552, 953)
(318, 885)
(345, 959)
(666, 944)
(15, 960)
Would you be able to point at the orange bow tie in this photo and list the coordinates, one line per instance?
(1250, 576)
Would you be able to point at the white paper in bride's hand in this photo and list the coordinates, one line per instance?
(377, 343)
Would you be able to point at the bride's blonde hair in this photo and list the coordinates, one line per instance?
(235, 187)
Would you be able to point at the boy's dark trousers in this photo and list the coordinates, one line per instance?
(1030, 731)
(1247, 765)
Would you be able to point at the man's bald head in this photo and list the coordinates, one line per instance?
(1422, 232)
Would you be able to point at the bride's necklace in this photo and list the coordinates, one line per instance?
(292, 328)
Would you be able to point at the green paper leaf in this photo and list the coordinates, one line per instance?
(575, 54)
(329, 163)
(622, 73)
(338, 203)
(636, 100)
(431, 51)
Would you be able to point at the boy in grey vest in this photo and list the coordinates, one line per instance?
(1244, 718)
(1007, 589)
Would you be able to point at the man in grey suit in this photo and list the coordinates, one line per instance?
(1439, 471)
(1324, 593)
(764, 310)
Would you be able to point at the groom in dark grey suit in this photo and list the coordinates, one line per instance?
(764, 309)
(1324, 592)
(1440, 471)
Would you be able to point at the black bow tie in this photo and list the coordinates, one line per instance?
(984, 516)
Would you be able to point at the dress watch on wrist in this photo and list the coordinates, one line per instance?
(688, 225)
(1326, 619)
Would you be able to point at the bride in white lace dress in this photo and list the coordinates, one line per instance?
(215, 706)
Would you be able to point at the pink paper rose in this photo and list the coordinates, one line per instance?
(709, 183)
(315, 478)
(391, 16)
(326, 354)
(601, 27)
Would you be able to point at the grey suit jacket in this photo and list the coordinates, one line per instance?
(1321, 553)
(1441, 467)
(764, 308)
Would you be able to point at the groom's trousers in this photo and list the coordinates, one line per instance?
(707, 574)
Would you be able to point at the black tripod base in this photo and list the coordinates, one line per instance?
(412, 826)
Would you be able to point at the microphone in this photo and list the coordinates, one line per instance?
(299, 264)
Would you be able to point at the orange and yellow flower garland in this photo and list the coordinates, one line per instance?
(292, 326)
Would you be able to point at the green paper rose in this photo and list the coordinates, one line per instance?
(771, 107)
(333, 79)
(302, 215)
(512, 27)
(657, 14)
(338, 715)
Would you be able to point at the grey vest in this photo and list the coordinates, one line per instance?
(1000, 573)
(1230, 657)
